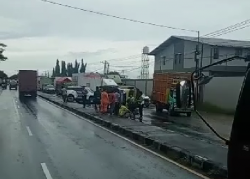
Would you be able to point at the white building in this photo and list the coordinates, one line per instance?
(176, 54)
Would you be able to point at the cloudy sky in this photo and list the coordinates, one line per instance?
(38, 33)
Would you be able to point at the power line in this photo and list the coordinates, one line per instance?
(228, 28)
(119, 59)
(118, 17)
(137, 67)
(232, 30)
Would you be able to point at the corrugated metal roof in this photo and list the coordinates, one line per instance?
(204, 40)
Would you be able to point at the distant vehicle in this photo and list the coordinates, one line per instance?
(146, 100)
(4, 85)
(27, 83)
(49, 89)
(13, 84)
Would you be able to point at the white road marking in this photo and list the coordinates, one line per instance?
(15, 106)
(29, 131)
(46, 171)
(132, 142)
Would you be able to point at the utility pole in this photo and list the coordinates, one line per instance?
(197, 64)
(106, 67)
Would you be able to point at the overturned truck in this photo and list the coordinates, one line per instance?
(164, 93)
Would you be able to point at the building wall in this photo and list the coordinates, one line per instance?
(224, 52)
(145, 85)
(223, 91)
(159, 61)
(186, 60)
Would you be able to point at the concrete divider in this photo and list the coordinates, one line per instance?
(182, 156)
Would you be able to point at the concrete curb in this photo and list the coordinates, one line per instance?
(179, 155)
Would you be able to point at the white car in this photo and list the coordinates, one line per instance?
(74, 93)
(146, 100)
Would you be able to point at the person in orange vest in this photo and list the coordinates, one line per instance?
(104, 101)
(111, 102)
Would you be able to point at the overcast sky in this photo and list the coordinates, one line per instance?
(37, 33)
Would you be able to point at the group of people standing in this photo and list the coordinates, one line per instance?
(109, 102)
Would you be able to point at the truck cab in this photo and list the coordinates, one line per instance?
(13, 84)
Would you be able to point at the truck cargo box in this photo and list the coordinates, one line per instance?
(164, 92)
(27, 82)
(163, 82)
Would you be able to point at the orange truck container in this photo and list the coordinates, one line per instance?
(164, 88)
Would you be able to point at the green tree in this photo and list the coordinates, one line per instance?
(76, 67)
(63, 69)
(83, 67)
(13, 76)
(69, 69)
(3, 75)
(53, 73)
(57, 68)
(2, 57)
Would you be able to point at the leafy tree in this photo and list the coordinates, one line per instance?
(57, 68)
(70, 69)
(13, 76)
(3, 75)
(2, 57)
(76, 67)
(53, 73)
(83, 67)
(63, 69)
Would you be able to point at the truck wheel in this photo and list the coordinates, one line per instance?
(189, 114)
(171, 112)
(20, 95)
(158, 109)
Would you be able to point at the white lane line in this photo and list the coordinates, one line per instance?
(46, 171)
(29, 131)
(137, 145)
(15, 107)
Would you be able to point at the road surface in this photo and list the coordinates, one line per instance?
(41, 141)
(192, 126)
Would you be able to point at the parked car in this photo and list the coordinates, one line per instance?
(49, 89)
(4, 85)
(75, 94)
(146, 100)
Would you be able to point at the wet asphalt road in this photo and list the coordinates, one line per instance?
(41, 141)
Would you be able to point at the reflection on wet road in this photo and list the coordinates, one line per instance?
(41, 141)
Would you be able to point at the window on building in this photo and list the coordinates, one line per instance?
(179, 56)
(238, 52)
(175, 58)
(164, 60)
(216, 53)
